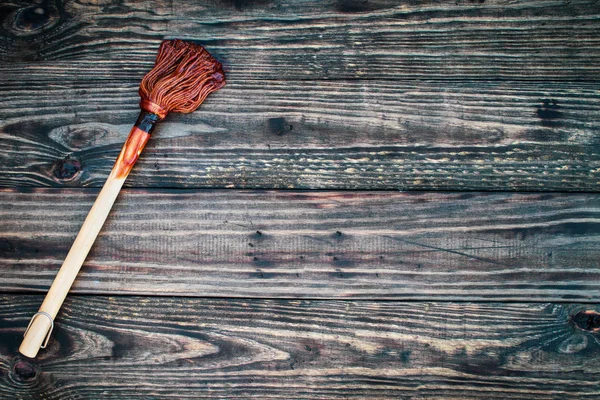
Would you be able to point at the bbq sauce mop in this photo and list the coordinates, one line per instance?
(184, 74)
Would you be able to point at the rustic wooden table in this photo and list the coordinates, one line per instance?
(388, 200)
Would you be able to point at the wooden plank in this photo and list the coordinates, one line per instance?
(430, 135)
(150, 348)
(317, 39)
(376, 245)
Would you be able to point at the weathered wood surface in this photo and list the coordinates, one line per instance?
(67, 131)
(151, 348)
(378, 245)
(316, 39)
(334, 94)
(69, 73)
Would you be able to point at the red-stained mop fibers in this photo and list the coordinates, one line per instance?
(183, 75)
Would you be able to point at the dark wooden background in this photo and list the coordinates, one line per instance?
(389, 199)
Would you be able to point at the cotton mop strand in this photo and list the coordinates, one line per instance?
(184, 74)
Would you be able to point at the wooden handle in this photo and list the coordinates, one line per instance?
(41, 323)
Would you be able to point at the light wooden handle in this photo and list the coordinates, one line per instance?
(37, 332)
(39, 328)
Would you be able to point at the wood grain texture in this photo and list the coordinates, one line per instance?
(313, 39)
(294, 294)
(377, 245)
(151, 348)
(434, 135)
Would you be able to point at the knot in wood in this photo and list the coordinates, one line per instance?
(587, 320)
(66, 169)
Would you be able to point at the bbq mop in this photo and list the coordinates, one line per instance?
(184, 74)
